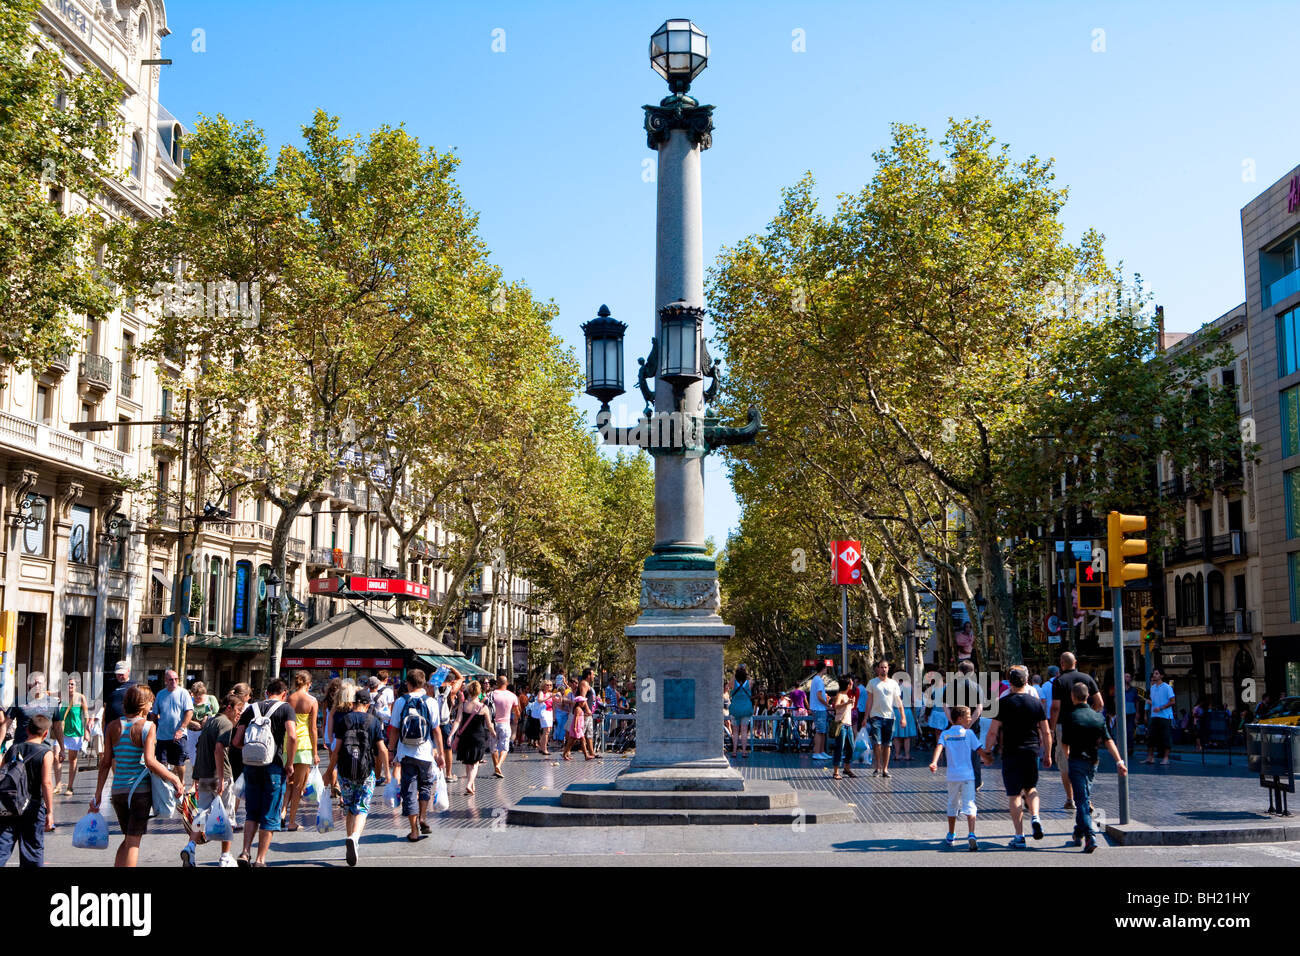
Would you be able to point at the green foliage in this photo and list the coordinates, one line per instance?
(56, 133)
(932, 358)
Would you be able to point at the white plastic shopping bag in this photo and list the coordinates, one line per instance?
(441, 802)
(862, 747)
(238, 787)
(393, 792)
(218, 826)
(91, 832)
(315, 785)
(325, 814)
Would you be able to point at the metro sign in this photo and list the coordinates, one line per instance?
(847, 565)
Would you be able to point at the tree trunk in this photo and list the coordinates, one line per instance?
(1005, 629)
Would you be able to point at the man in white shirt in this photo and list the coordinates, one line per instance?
(884, 707)
(416, 760)
(819, 705)
(1160, 731)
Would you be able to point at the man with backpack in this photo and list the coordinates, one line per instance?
(358, 750)
(27, 795)
(415, 739)
(260, 737)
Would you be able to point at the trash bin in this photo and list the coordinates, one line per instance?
(1279, 750)
(1254, 746)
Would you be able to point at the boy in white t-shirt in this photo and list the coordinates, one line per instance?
(961, 745)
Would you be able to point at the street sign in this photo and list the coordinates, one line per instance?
(846, 567)
(1176, 660)
(1053, 624)
(834, 648)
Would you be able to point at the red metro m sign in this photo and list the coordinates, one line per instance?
(846, 565)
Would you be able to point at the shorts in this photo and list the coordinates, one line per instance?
(171, 752)
(264, 795)
(961, 798)
(1019, 772)
(73, 743)
(133, 814)
(417, 784)
(205, 795)
(821, 719)
(355, 795)
(446, 736)
(501, 742)
(881, 731)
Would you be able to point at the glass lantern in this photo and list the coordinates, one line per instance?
(604, 335)
(681, 343)
(679, 52)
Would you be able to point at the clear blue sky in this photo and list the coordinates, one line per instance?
(1150, 135)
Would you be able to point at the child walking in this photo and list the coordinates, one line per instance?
(960, 744)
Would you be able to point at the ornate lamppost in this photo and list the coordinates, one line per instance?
(679, 635)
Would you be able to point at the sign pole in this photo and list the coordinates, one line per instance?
(1121, 717)
(844, 630)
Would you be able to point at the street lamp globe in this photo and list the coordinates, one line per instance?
(679, 52)
(681, 345)
(272, 588)
(604, 336)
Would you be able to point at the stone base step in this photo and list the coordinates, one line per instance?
(757, 795)
(680, 808)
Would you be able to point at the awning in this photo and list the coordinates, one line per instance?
(462, 664)
(162, 579)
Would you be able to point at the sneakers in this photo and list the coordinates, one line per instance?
(187, 855)
(821, 756)
(973, 844)
(227, 860)
(1018, 843)
(950, 839)
(352, 851)
(1038, 828)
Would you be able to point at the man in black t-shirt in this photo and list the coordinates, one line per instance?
(117, 696)
(1022, 720)
(964, 692)
(264, 786)
(1083, 735)
(1063, 703)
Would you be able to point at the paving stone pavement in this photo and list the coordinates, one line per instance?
(1182, 794)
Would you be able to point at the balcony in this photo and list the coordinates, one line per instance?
(1172, 488)
(1286, 286)
(166, 514)
(126, 383)
(297, 550)
(96, 372)
(323, 557)
(59, 365)
(355, 563)
(1231, 622)
(169, 435)
(1228, 546)
(1185, 551)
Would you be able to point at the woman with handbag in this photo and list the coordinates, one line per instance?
(471, 736)
(129, 744)
(546, 715)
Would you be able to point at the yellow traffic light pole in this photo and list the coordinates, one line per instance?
(1117, 549)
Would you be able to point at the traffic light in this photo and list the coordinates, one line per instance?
(1148, 621)
(1092, 587)
(1119, 547)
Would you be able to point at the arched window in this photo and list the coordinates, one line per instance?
(1178, 601)
(142, 33)
(214, 593)
(137, 158)
(263, 573)
(243, 583)
(1200, 599)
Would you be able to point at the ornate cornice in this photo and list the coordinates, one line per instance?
(680, 595)
(679, 112)
(69, 493)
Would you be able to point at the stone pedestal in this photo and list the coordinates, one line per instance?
(679, 638)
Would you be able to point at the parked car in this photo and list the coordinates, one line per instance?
(1285, 711)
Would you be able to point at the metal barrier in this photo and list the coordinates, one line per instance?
(764, 730)
(618, 738)
(1273, 751)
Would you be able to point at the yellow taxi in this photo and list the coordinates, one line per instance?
(1285, 711)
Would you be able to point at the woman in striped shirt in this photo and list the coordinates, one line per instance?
(129, 752)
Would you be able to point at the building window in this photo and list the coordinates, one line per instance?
(1291, 495)
(79, 536)
(34, 535)
(214, 592)
(243, 574)
(123, 435)
(1287, 360)
(127, 382)
(1293, 567)
(137, 158)
(44, 410)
